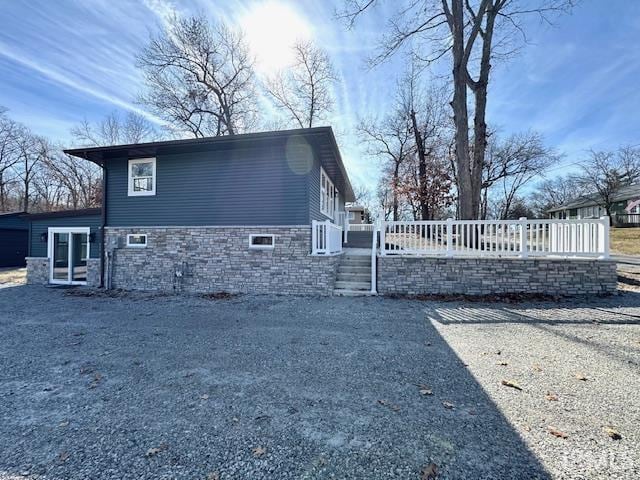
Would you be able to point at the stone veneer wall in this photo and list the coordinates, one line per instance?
(215, 259)
(484, 276)
(38, 271)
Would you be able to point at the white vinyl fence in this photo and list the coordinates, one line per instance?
(326, 238)
(519, 238)
(361, 227)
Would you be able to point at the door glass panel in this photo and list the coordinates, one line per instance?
(61, 256)
(79, 257)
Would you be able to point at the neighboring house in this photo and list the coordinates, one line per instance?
(625, 208)
(14, 239)
(357, 214)
(230, 213)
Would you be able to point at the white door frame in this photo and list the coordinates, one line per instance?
(50, 253)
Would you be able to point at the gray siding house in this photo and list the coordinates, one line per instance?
(229, 213)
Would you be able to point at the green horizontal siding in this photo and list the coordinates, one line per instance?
(38, 248)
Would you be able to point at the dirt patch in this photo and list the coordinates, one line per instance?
(219, 296)
(498, 298)
(13, 276)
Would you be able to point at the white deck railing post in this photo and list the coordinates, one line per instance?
(604, 236)
(383, 229)
(524, 250)
(449, 237)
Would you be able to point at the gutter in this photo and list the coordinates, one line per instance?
(103, 223)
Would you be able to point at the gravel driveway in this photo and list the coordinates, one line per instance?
(143, 386)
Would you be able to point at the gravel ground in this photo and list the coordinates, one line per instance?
(144, 386)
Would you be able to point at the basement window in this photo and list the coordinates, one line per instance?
(136, 240)
(261, 242)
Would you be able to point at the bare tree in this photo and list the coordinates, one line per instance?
(604, 173)
(9, 156)
(199, 77)
(472, 33)
(553, 193)
(303, 91)
(391, 140)
(114, 130)
(32, 150)
(511, 164)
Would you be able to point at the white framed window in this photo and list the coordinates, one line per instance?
(142, 176)
(328, 195)
(261, 241)
(352, 215)
(136, 240)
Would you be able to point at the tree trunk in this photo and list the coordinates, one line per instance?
(479, 89)
(422, 169)
(461, 116)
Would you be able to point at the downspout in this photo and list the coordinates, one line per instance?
(103, 221)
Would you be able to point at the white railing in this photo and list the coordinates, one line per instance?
(361, 227)
(374, 259)
(326, 238)
(502, 238)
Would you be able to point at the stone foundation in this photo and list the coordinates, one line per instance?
(215, 259)
(37, 270)
(485, 276)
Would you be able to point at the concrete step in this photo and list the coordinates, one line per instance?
(355, 261)
(342, 292)
(341, 285)
(354, 277)
(355, 269)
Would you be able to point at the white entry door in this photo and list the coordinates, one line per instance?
(68, 253)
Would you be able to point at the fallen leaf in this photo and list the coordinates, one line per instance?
(387, 403)
(552, 397)
(613, 433)
(259, 451)
(235, 419)
(557, 433)
(97, 378)
(64, 424)
(537, 368)
(424, 389)
(153, 451)
(509, 383)
(63, 457)
(204, 397)
(498, 352)
(448, 405)
(156, 450)
(503, 364)
(580, 376)
(429, 472)
(213, 476)
(527, 428)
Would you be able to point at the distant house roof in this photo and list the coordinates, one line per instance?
(64, 213)
(322, 137)
(625, 193)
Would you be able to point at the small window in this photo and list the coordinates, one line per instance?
(136, 240)
(261, 241)
(142, 176)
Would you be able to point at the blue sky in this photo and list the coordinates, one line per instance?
(576, 83)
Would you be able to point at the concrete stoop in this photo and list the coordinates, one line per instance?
(354, 275)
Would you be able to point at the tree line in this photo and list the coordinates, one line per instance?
(438, 154)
